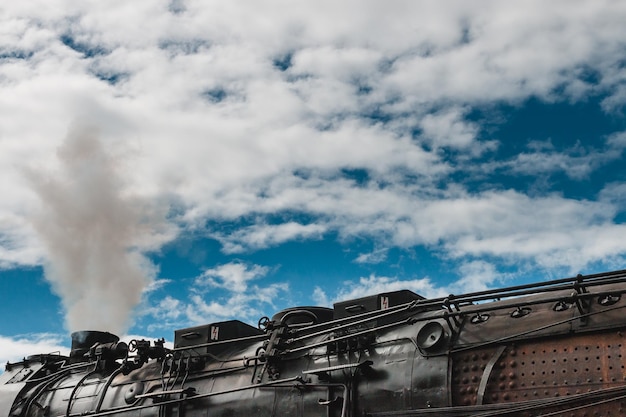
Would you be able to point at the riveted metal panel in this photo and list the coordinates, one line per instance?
(549, 368)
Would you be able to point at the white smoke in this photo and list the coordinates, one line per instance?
(95, 235)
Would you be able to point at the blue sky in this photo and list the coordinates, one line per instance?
(168, 164)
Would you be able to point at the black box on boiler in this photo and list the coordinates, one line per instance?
(213, 332)
(382, 301)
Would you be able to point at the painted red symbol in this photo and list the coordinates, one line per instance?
(215, 330)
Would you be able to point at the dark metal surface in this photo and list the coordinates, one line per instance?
(549, 349)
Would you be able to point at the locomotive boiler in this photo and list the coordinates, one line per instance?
(552, 348)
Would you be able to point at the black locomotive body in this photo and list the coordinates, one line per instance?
(553, 348)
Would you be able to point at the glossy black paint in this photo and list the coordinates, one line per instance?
(552, 347)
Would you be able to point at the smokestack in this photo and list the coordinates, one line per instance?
(83, 340)
(94, 233)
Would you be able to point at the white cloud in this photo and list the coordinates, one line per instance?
(508, 224)
(247, 306)
(261, 236)
(201, 121)
(378, 284)
(232, 276)
(166, 311)
(320, 297)
(225, 292)
(374, 257)
(13, 349)
(476, 276)
(448, 129)
(614, 194)
(617, 140)
(156, 285)
(576, 162)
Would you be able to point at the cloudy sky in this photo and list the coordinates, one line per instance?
(168, 164)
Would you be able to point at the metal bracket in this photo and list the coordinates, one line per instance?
(486, 373)
(330, 403)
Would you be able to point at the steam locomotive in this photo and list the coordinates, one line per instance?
(552, 348)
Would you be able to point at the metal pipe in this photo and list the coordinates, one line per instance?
(126, 409)
(78, 384)
(477, 310)
(348, 336)
(510, 292)
(106, 387)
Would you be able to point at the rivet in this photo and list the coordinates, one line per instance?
(513, 364)
(474, 378)
(512, 384)
(474, 357)
(502, 386)
(466, 368)
(512, 375)
(505, 396)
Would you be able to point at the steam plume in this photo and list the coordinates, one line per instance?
(94, 234)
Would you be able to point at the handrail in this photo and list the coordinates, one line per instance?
(574, 283)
